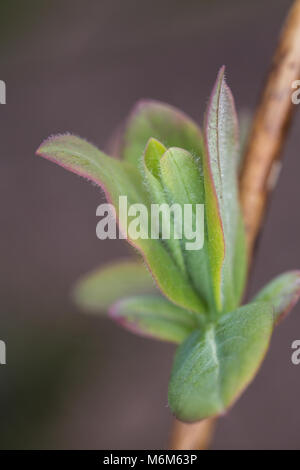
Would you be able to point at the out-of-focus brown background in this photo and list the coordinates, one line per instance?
(77, 381)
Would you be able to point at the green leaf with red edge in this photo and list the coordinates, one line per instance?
(155, 317)
(213, 366)
(99, 289)
(120, 178)
(225, 230)
(163, 122)
(283, 293)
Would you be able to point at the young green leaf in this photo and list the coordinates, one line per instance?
(283, 293)
(182, 180)
(99, 289)
(155, 317)
(150, 169)
(153, 152)
(163, 122)
(212, 367)
(222, 206)
(123, 179)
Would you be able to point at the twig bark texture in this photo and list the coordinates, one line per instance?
(259, 171)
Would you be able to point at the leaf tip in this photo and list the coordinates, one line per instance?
(50, 140)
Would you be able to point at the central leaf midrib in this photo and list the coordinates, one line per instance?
(211, 338)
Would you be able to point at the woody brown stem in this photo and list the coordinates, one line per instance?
(259, 172)
(192, 436)
(270, 126)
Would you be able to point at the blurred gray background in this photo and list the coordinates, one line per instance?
(77, 381)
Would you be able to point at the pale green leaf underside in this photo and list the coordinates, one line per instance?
(221, 167)
(283, 292)
(99, 289)
(212, 368)
(155, 317)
